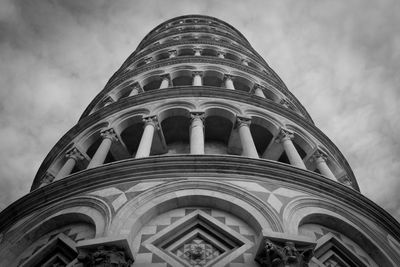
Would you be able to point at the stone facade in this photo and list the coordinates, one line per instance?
(196, 154)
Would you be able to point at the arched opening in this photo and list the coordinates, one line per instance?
(242, 84)
(152, 83)
(182, 78)
(261, 131)
(218, 127)
(232, 57)
(51, 242)
(212, 78)
(209, 52)
(175, 128)
(161, 56)
(186, 51)
(340, 243)
(132, 133)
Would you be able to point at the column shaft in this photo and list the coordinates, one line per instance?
(290, 149)
(197, 134)
(164, 83)
(134, 91)
(323, 166)
(197, 79)
(147, 138)
(248, 147)
(101, 153)
(66, 168)
(229, 83)
(259, 92)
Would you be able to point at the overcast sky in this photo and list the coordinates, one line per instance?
(341, 59)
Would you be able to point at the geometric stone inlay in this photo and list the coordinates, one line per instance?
(267, 195)
(120, 196)
(197, 239)
(197, 252)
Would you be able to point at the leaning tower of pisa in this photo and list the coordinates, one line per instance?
(196, 154)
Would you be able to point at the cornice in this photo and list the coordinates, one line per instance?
(142, 53)
(193, 59)
(174, 32)
(176, 93)
(176, 27)
(192, 166)
(193, 16)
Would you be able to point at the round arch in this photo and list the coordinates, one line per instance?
(136, 213)
(341, 219)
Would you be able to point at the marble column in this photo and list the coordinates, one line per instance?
(135, 91)
(197, 51)
(150, 125)
(248, 147)
(258, 91)
(285, 137)
(164, 82)
(197, 133)
(322, 166)
(72, 155)
(98, 158)
(197, 78)
(229, 82)
(172, 53)
(221, 54)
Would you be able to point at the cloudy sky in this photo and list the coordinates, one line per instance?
(341, 59)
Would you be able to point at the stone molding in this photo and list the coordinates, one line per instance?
(229, 36)
(194, 59)
(246, 51)
(191, 165)
(199, 17)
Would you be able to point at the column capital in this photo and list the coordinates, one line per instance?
(284, 134)
(47, 179)
(136, 86)
(172, 53)
(228, 77)
(319, 156)
(151, 120)
(285, 102)
(108, 100)
(346, 181)
(197, 72)
(255, 87)
(165, 76)
(148, 60)
(74, 154)
(197, 115)
(242, 121)
(109, 133)
(198, 49)
(221, 53)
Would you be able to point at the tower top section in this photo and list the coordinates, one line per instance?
(194, 85)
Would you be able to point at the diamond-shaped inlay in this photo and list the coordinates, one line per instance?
(197, 252)
(197, 240)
